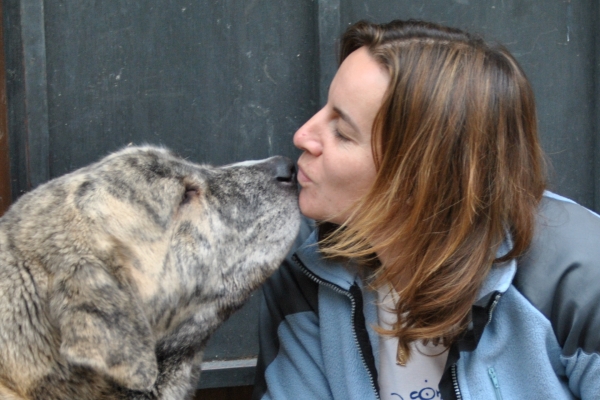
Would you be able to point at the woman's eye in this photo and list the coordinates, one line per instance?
(339, 136)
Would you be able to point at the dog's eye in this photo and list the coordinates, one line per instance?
(190, 193)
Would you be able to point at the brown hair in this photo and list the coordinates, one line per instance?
(459, 167)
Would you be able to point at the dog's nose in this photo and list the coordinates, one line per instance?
(284, 170)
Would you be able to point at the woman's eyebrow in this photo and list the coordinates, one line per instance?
(346, 118)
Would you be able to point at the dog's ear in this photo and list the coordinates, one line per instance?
(103, 327)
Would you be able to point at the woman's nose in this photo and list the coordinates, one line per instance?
(308, 138)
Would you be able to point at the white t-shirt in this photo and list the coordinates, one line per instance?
(419, 378)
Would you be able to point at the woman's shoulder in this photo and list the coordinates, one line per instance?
(566, 244)
(565, 233)
(560, 273)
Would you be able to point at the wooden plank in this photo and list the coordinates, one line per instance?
(238, 372)
(36, 101)
(5, 192)
(227, 393)
(329, 31)
(596, 34)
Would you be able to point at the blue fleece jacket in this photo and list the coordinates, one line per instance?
(535, 331)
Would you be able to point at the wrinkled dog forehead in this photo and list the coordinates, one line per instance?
(156, 186)
(160, 170)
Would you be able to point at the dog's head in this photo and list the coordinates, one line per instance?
(157, 242)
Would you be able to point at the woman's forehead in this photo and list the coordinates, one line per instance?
(358, 88)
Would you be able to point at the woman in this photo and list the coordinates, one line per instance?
(440, 268)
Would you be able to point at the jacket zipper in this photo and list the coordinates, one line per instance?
(346, 293)
(455, 383)
(494, 378)
(492, 307)
(490, 371)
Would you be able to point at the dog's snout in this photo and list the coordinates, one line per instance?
(284, 170)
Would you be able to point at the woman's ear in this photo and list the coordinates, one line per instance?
(103, 327)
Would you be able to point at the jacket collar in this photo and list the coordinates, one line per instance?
(345, 274)
(342, 274)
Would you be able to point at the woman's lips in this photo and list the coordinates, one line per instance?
(302, 177)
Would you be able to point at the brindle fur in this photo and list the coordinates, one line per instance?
(113, 277)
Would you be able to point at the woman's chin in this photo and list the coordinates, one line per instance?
(309, 213)
(309, 208)
(314, 209)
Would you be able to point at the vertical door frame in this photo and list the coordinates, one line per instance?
(5, 189)
(328, 17)
(26, 87)
(596, 102)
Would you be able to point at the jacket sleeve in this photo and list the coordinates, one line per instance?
(290, 360)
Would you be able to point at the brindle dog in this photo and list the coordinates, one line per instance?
(113, 277)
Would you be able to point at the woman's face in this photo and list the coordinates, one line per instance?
(336, 167)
